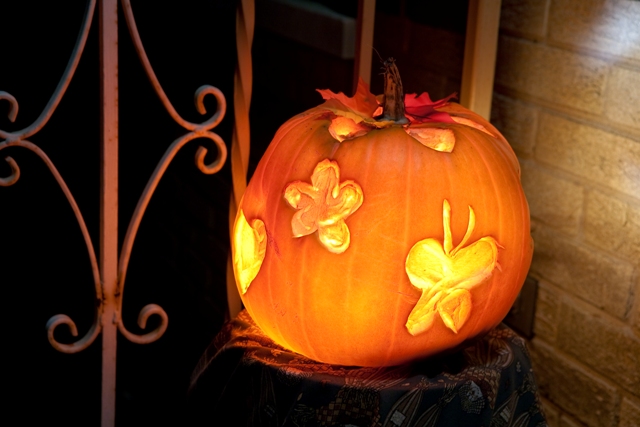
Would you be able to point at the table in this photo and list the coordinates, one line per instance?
(245, 377)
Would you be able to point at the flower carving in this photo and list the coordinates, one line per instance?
(446, 274)
(250, 246)
(324, 205)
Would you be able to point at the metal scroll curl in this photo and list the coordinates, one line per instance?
(57, 95)
(59, 319)
(18, 138)
(200, 93)
(15, 173)
(197, 130)
(134, 224)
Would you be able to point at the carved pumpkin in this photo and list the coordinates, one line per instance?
(370, 240)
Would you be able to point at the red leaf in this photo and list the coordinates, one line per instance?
(420, 109)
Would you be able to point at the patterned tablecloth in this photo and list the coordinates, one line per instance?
(245, 379)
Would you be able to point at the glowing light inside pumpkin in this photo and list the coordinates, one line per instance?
(455, 308)
(250, 245)
(344, 128)
(442, 140)
(324, 205)
(446, 274)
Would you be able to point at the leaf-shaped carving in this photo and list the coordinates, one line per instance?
(442, 140)
(324, 205)
(344, 128)
(455, 308)
(446, 274)
(250, 246)
(471, 123)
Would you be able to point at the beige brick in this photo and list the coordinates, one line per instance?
(608, 26)
(635, 311)
(553, 74)
(516, 120)
(585, 396)
(622, 103)
(525, 17)
(629, 413)
(613, 225)
(551, 413)
(567, 421)
(552, 200)
(600, 342)
(602, 280)
(546, 317)
(589, 152)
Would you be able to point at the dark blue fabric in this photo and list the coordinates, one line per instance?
(247, 379)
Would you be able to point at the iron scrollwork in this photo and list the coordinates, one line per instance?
(195, 130)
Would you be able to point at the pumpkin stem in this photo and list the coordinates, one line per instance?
(393, 108)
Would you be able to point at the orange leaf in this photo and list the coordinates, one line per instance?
(362, 103)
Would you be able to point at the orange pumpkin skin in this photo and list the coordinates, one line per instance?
(351, 308)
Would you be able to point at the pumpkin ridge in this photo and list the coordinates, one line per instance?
(398, 301)
(344, 147)
(499, 143)
(526, 219)
(479, 153)
(309, 137)
(272, 221)
(334, 149)
(504, 150)
(407, 232)
(510, 176)
(283, 132)
(346, 324)
(521, 201)
(522, 275)
(480, 150)
(310, 349)
(273, 148)
(280, 339)
(292, 158)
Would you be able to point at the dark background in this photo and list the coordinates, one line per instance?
(179, 256)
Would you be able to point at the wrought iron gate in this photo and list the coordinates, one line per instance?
(109, 264)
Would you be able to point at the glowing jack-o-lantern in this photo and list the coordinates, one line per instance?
(377, 234)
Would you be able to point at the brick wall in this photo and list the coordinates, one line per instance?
(567, 97)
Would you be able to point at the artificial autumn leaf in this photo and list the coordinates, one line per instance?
(439, 269)
(364, 106)
(420, 109)
(324, 205)
(361, 105)
(251, 245)
(355, 116)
